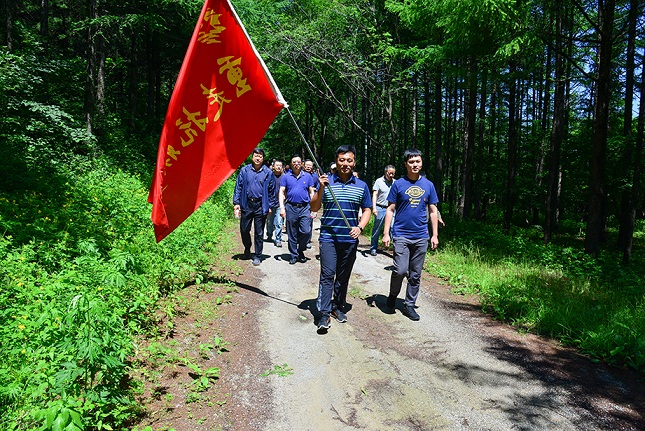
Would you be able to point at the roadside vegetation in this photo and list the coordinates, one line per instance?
(596, 305)
(82, 277)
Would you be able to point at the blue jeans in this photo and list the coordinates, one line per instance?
(274, 225)
(377, 229)
(336, 263)
(409, 256)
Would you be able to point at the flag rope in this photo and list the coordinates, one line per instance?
(313, 157)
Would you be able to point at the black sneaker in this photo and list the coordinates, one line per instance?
(247, 254)
(293, 261)
(410, 313)
(324, 322)
(391, 302)
(302, 258)
(339, 315)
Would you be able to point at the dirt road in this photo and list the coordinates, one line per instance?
(455, 369)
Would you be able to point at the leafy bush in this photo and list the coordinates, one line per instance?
(82, 273)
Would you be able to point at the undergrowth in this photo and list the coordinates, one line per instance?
(597, 305)
(81, 277)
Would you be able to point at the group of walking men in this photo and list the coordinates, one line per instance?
(297, 195)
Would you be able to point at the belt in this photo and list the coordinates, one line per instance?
(299, 205)
(382, 206)
(254, 199)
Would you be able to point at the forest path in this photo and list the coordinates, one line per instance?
(454, 369)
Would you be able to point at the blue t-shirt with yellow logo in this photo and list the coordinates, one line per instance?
(412, 199)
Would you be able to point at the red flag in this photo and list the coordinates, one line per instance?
(222, 105)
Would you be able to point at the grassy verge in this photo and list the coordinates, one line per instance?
(556, 290)
(82, 276)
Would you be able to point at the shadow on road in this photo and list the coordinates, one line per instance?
(262, 292)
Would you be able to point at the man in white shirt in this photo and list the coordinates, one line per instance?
(381, 189)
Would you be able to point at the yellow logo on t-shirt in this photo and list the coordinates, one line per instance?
(415, 193)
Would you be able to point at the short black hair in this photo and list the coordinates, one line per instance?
(258, 150)
(296, 155)
(345, 149)
(411, 152)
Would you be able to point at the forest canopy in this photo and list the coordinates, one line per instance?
(528, 113)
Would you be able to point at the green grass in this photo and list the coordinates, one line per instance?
(82, 276)
(555, 290)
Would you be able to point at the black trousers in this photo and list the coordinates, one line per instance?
(253, 214)
(298, 228)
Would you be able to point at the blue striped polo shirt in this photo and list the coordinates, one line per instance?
(352, 196)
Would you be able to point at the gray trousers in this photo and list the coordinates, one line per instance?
(409, 256)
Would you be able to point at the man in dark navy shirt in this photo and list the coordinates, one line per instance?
(253, 199)
(296, 190)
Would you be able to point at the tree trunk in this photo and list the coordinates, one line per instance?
(9, 24)
(638, 160)
(100, 74)
(90, 70)
(624, 231)
(133, 75)
(597, 203)
(481, 160)
(44, 18)
(426, 114)
(511, 172)
(490, 151)
(470, 116)
(153, 73)
(438, 133)
(557, 131)
(415, 110)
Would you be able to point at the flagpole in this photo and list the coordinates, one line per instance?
(313, 157)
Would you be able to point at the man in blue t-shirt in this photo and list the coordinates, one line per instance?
(413, 197)
(296, 190)
(338, 242)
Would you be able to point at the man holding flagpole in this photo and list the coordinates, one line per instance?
(342, 195)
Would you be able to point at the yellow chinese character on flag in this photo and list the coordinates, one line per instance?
(172, 154)
(186, 127)
(216, 98)
(234, 74)
(213, 28)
